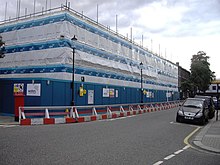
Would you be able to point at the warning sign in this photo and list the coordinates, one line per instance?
(111, 92)
(19, 89)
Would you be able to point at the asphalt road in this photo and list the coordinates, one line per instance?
(151, 138)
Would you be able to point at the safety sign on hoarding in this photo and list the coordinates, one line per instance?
(168, 94)
(33, 89)
(105, 92)
(19, 89)
(90, 96)
(111, 92)
(116, 93)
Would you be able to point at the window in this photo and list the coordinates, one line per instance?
(214, 88)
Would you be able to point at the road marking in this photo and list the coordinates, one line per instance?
(118, 118)
(186, 147)
(8, 126)
(177, 152)
(169, 157)
(158, 163)
(189, 136)
(132, 116)
(172, 155)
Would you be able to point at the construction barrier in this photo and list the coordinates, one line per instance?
(46, 115)
(73, 114)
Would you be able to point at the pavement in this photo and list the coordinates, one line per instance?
(207, 139)
(7, 120)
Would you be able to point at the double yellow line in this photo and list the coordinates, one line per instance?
(186, 140)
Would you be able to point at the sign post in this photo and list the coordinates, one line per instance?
(18, 99)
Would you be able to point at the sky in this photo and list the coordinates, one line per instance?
(174, 29)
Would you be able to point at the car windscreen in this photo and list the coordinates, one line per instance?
(193, 103)
(208, 99)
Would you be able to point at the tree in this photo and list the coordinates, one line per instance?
(201, 75)
(2, 48)
(187, 88)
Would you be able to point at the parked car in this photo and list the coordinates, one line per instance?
(210, 104)
(193, 110)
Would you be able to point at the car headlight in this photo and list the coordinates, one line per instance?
(180, 112)
(199, 114)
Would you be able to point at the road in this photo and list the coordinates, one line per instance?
(147, 139)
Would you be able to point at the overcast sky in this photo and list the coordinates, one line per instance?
(178, 28)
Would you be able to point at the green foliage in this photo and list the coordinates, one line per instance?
(201, 75)
(186, 86)
(1, 42)
(2, 48)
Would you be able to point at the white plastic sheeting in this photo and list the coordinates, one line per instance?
(153, 65)
(37, 58)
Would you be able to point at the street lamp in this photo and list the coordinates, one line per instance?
(141, 67)
(73, 39)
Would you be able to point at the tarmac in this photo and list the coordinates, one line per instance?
(207, 139)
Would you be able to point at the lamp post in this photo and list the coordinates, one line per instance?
(73, 39)
(172, 95)
(141, 67)
(217, 101)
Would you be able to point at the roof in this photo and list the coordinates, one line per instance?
(216, 82)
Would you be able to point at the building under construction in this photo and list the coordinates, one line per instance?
(42, 50)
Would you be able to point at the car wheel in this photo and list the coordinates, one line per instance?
(178, 119)
(202, 121)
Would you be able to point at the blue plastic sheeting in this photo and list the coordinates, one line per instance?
(33, 23)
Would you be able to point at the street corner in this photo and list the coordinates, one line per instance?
(208, 139)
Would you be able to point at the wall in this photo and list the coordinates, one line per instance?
(59, 93)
